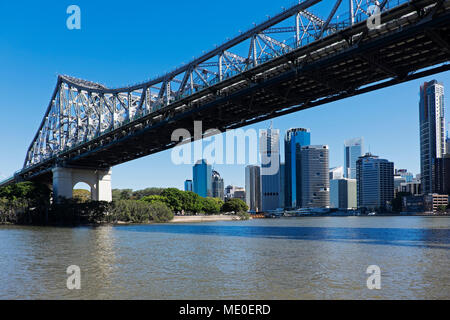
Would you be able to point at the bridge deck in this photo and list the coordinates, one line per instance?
(349, 62)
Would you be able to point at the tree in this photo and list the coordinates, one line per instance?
(219, 201)
(25, 203)
(155, 198)
(160, 212)
(122, 194)
(210, 206)
(441, 208)
(174, 199)
(147, 192)
(191, 202)
(235, 205)
(130, 211)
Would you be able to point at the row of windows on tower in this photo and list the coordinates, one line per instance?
(271, 193)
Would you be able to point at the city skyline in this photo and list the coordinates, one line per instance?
(373, 115)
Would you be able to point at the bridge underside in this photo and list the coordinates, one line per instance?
(347, 63)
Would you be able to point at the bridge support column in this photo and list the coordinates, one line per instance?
(64, 179)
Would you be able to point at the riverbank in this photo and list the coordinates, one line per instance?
(202, 218)
(191, 219)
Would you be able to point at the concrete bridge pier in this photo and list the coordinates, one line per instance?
(64, 179)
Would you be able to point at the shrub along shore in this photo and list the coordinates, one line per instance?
(30, 203)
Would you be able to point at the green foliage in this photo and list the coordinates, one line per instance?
(155, 198)
(25, 202)
(210, 206)
(160, 212)
(29, 203)
(139, 194)
(124, 194)
(441, 208)
(235, 205)
(76, 212)
(243, 215)
(82, 195)
(130, 211)
(191, 202)
(128, 194)
(174, 199)
(139, 211)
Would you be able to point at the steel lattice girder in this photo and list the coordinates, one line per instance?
(81, 113)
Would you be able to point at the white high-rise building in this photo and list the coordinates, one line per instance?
(269, 147)
(315, 177)
(432, 131)
(353, 149)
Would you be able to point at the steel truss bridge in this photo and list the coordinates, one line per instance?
(292, 61)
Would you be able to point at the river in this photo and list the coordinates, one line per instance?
(289, 258)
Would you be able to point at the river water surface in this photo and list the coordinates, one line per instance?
(292, 258)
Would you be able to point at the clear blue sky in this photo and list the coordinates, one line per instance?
(127, 42)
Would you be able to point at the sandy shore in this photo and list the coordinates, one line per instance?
(221, 217)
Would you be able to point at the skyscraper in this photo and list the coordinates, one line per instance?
(294, 140)
(202, 173)
(188, 185)
(432, 128)
(217, 185)
(315, 177)
(374, 182)
(353, 149)
(253, 188)
(270, 169)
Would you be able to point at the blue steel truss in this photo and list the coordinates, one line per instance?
(80, 110)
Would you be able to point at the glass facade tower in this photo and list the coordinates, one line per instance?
(188, 185)
(432, 128)
(253, 188)
(294, 140)
(202, 173)
(217, 186)
(353, 149)
(375, 182)
(270, 168)
(315, 177)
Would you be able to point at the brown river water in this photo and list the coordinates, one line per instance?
(288, 258)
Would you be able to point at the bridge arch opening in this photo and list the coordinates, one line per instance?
(65, 180)
(82, 191)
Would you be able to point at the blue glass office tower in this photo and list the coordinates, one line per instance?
(294, 140)
(202, 173)
(188, 185)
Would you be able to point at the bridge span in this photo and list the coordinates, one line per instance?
(293, 61)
